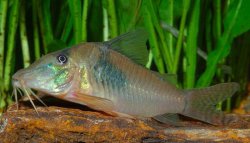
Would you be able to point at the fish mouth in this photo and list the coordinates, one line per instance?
(17, 78)
(20, 87)
(15, 82)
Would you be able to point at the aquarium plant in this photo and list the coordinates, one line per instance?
(200, 42)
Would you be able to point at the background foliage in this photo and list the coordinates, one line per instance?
(202, 41)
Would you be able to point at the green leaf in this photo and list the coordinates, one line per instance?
(154, 46)
(222, 49)
(44, 15)
(111, 9)
(127, 14)
(85, 20)
(242, 23)
(163, 48)
(56, 45)
(166, 13)
(3, 14)
(178, 8)
(62, 18)
(95, 21)
(191, 56)
(65, 36)
(11, 40)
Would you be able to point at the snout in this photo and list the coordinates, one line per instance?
(17, 78)
(15, 82)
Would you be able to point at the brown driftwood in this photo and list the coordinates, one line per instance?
(71, 125)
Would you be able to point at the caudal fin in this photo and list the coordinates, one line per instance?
(200, 103)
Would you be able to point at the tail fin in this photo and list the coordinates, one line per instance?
(200, 103)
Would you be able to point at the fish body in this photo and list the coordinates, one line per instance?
(130, 87)
(107, 77)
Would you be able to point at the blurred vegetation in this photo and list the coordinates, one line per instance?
(202, 41)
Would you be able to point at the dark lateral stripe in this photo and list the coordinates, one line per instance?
(106, 73)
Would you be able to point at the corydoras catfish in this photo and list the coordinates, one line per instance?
(110, 77)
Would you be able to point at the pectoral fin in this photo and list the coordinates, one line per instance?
(169, 118)
(96, 103)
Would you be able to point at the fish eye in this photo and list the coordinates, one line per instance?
(62, 59)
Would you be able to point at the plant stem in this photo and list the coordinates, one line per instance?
(186, 4)
(105, 25)
(217, 18)
(84, 20)
(75, 8)
(3, 13)
(153, 41)
(23, 36)
(208, 32)
(150, 59)
(192, 45)
(13, 21)
(217, 35)
(62, 17)
(43, 7)
(136, 15)
(67, 28)
(170, 21)
(112, 19)
(35, 30)
(165, 50)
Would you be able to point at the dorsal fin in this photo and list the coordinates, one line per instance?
(131, 45)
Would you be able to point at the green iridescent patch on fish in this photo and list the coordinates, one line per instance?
(61, 77)
(53, 68)
(59, 74)
(105, 71)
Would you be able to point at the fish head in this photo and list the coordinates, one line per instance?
(52, 74)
